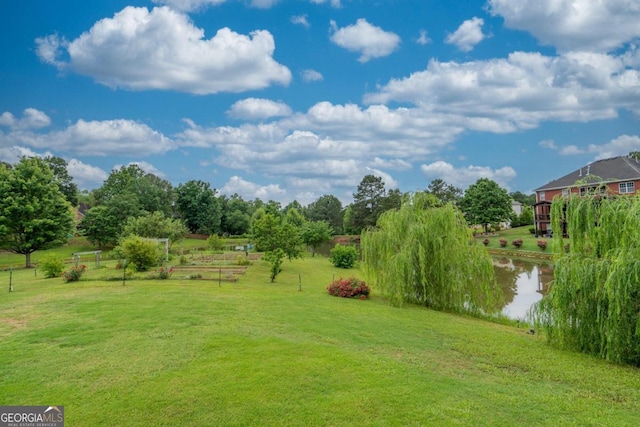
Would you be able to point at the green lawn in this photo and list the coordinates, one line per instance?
(529, 241)
(192, 353)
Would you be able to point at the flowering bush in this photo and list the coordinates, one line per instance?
(164, 273)
(349, 288)
(517, 243)
(542, 244)
(503, 243)
(485, 242)
(74, 274)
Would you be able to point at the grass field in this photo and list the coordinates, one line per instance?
(192, 353)
(529, 241)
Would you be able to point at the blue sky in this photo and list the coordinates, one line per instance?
(294, 99)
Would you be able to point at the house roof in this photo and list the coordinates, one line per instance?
(621, 168)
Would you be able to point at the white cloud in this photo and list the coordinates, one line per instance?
(300, 20)
(593, 25)
(467, 35)
(258, 109)
(520, 91)
(189, 5)
(85, 175)
(620, 146)
(94, 138)
(464, 177)
(311, 76)
(549, 144)
(162, 49)
(334, 3)
(393, 164)
(250, 190)
(31, 119)
(13, 154)
(570, 150)
(423, 39)
(369, 40)
(263, 4)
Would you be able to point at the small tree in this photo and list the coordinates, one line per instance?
(275, 258)
(140, 252)
(316, 233)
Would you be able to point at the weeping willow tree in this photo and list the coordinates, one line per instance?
(594, 302)
(425, 255)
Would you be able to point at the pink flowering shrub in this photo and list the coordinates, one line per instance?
(503, 243)
(74, 274)
(349, 288)
(542, 244)
(517, 243)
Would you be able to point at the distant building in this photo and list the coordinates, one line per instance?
(617, 175)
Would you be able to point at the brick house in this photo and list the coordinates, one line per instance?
(617, 175)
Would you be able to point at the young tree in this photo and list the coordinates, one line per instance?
(271, 233)
(485, 202)
(315, 233)
(34, 214)
(423, 254)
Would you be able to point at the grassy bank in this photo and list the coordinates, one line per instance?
(177, 352)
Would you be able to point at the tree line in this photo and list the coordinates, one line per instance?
(37, 196)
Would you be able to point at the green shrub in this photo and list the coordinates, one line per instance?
(242, 260)
(344, 256)
(74, 274)
(215, 243)
(141, 253)
(349, 288)
(532, 230)
(52, 266)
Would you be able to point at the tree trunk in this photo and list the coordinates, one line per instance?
(28, 262)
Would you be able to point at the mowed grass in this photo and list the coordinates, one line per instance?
(529, 241)
(192, 353)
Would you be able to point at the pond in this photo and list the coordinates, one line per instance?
(523, 282)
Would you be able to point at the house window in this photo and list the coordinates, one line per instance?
(565, 192)
(542, 196)
(626, 187)
(593, 189)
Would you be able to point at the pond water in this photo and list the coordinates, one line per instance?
(523, 282)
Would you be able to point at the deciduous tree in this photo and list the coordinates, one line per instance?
(198, 207)
(423, 254)
(34, 214)
(485, 202)
(315, 233)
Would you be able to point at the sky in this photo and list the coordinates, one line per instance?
(295, 99)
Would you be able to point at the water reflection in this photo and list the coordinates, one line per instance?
(523, 283)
